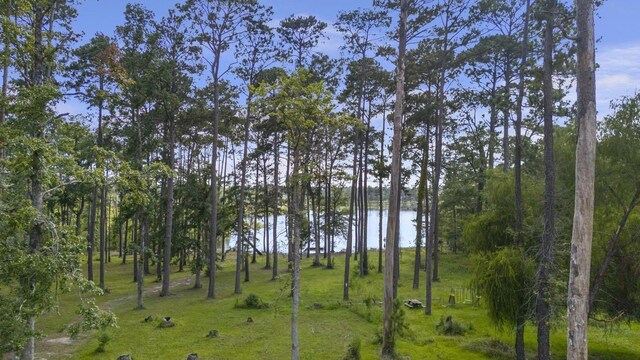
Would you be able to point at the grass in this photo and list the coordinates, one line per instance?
(327, 325)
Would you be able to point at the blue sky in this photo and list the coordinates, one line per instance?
(617, 26)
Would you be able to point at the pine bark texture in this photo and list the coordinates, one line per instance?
(582, 234)
(543, 298)
(388, 336)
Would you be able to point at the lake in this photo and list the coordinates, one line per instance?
(407, 231)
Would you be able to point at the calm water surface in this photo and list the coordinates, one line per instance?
(407, 231)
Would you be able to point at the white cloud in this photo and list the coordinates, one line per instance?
(618, 73)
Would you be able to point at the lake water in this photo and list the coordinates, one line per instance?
(407, 231)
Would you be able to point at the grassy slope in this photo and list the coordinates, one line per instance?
(325, 331)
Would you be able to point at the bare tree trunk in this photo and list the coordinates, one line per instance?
(103, 227)
(316, 259)
(120, 234)
(276, 202)
(125, 249)
(135, 238)
(543, 297)
(380, 204)
(329, 227)
(198, 282)
(518, 130)
(396, 245)
(243, 181)
(347, 257)
(434, 233)
(79, 217)
(493, 117)
(140, 262)
(213, 216)
(388, 336)
(265, 231)
(298, 202)
(582, 235)
(365, 202)
(506, 116)
(103, 193)
(519, 214)
(91, 232)
(423, 179)
(256, 209)
(166, 269)
(427, 243)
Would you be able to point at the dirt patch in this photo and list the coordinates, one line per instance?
(60, 340)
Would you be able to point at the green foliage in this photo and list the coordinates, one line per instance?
(447, 326)
(493, 229)
(103, 340)
(505, 280)
(91, 317)
(252, 301)
(353, 351)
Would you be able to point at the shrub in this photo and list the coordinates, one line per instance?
(253, 301)
(448, 327)
(103, 340)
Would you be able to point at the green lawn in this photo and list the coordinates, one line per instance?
(327, 325)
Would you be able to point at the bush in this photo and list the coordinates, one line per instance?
(252, 301)
(448, 327)
(103, 340)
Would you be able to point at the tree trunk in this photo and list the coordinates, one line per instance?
(543, 296)
(135, 238)
(388, 336)
(347, 257)
(276, 202)
(427, 244)
(582, 234)
(79, 216)
(297, 201)
(423, 179)
(36, 193)
(435, 205)
(243, 181)
(140, 262)
(365, 203)
(166, 264)
(103, 227)
(213, 216)
(329, 226)
(506, 115)
(316, 259)
(493, 116)
(125, 249)
(103, 192)
(380, 204)
(256, 209)
(266, 214)
(91, 232)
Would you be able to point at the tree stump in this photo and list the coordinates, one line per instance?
(213, 334)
